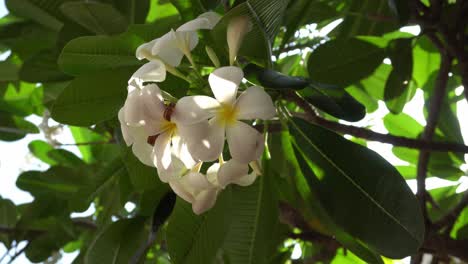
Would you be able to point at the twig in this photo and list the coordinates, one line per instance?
(435, 104)
(18, 253)
(370, 135)
(88, 143)
(13, 131)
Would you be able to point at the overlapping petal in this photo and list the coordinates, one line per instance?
(153, 71)
(255, 103)
(231, 171)
(245, 143)
(204, 142)
(194, 109)
(224, 83)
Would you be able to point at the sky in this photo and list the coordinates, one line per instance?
(15, 156)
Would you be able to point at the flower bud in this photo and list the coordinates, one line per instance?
(237, 29)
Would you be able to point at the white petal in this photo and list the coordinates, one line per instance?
(180, 150)
(205, 142)
(133, 110)
(246, 180)
(153, 71)
(194, 109)
(212, 174)
(197, 182)
(186, 40)
(144, 50)
(224, 83)
(231, 172)
(180, 190)
(255, 103)
(204, 201)
(162, 156)
(142, 151)
(245, 143)
(205, 21)
(127, 136)
(166, 48)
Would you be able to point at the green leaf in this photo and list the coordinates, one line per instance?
(94, 53)
(400, 53)
(196, 239)
(23, 101)
(100, 18)
(83, 135)
(42, 67)
(45, 13)
(60, 182)
(401, 9)
(270, 14)
(142, 177)
(361, 204)
(399, 88)
(92, 98)
(402, 125)
(8, 218)
(135, 11)
(254, 232)
(117, 243)
(426, 61)
(364, 17)
(14, 128)
(303, 12)
(336, 102)
(188, 9)
(8, 71)
(46, 153)
(344, 61)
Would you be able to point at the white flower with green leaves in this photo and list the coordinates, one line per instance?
(225, 113)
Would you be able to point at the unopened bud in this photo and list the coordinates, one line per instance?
(212, 55)
(237, 29)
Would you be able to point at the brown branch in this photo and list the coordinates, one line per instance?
(435, 105)
(370, 135)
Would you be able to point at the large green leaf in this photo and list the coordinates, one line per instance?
(426, 61)
(94, 53)
(142, 177)
(42, 67)
(46, 153)
(117, 243)
(92, 98)
(45, 13)
(13, 127)
(254, 232)
(8, 71)
(344, 61)
(196, 239)
(8, 218)
(61, 182)
(135, 11)
(360, 180)
(367, 17)
(102, 19)
(336, 102)
(188, 9)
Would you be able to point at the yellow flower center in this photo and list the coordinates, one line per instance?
(170, 127)
(228, 114)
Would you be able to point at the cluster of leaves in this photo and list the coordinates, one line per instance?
(73, 58)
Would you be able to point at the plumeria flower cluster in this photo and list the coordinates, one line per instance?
(178, 137)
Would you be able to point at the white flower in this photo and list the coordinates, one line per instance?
(195, 188)
(146, 125)
(172, 46)
(225, 112)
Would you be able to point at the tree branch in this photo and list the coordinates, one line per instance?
(435, 105)
(359, 132)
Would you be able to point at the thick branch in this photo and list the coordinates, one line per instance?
(370, 135)
(435, 105)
